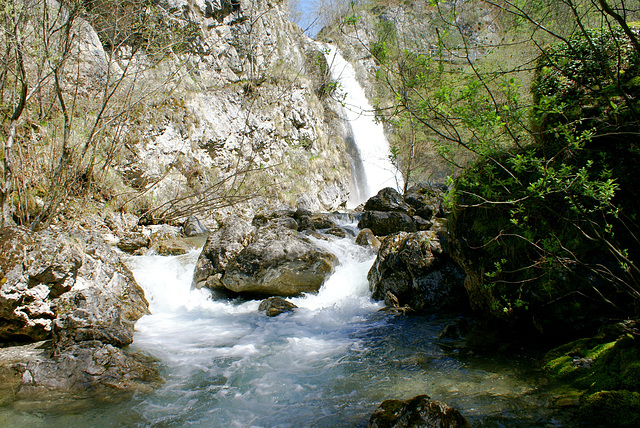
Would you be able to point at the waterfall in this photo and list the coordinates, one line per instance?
(372, 166)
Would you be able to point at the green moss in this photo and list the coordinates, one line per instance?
(611, 409)
(597, 364)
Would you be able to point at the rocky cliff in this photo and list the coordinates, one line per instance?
(251, 101)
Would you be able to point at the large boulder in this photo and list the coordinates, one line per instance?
(221, 247)
(388, 199)
(271, 259)
(34, 271)
(412, 271)
(418, 412)
(384, 223)
(74, 289)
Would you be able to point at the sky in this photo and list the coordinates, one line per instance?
(306, 9)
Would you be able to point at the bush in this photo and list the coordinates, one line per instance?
(550, 229)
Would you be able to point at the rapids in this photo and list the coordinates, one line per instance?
(328, 364)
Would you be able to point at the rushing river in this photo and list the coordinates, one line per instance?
(328, 364)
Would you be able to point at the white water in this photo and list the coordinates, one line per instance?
(368, 134)
(328, 364)
(230, 365)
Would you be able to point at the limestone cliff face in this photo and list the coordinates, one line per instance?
(236, 114)
(250, 102)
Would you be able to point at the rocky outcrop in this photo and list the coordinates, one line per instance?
(420, 411)
(385, 223)
(270, 258)
(412, 271)
(73, 289)
(390, 212)
(251, 103)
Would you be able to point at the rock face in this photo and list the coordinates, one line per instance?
(252, 101)
(271, 258)
(418, 412)
(74, 289)
(412, 271)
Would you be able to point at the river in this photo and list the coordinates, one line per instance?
(328, 364)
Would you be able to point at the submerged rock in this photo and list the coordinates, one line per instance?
(420, 411)
(275, 305)
(270, 259)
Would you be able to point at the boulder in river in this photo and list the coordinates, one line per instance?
(420, 411)
(388, 200)
(271, 259)
(412, 271)
(383, 223)
(275, 306)
(73, 288)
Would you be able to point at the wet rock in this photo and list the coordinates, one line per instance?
(86, 365)
(131, 243)
(193, 227)
(221, 247)
(336, 231)
(367, 238)
(388, 199)
(310, 221)
(384, 223)
(278, 262)
(421, 223)
(412, 268)
(73, 288)
(275, 305)
(420, 411)
(267, 259)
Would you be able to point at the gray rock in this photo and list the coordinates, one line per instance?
(221, 247)
(131, 242)
(418, 412)
(193, 227)
(275, 306)
(278, 262)
(367, 238)
(411, 270)
(73, 288)
(388, 199)
(271, 259)
(384, 223)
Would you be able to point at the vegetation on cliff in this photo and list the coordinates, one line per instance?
(538, 117)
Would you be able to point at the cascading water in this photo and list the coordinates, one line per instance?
(328, 364)
(373, 169)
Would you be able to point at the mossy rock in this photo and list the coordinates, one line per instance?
(597, 364)
(611, 409)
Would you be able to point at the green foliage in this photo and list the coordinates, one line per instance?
(550, 224)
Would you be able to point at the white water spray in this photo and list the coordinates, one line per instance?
(368, 134)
